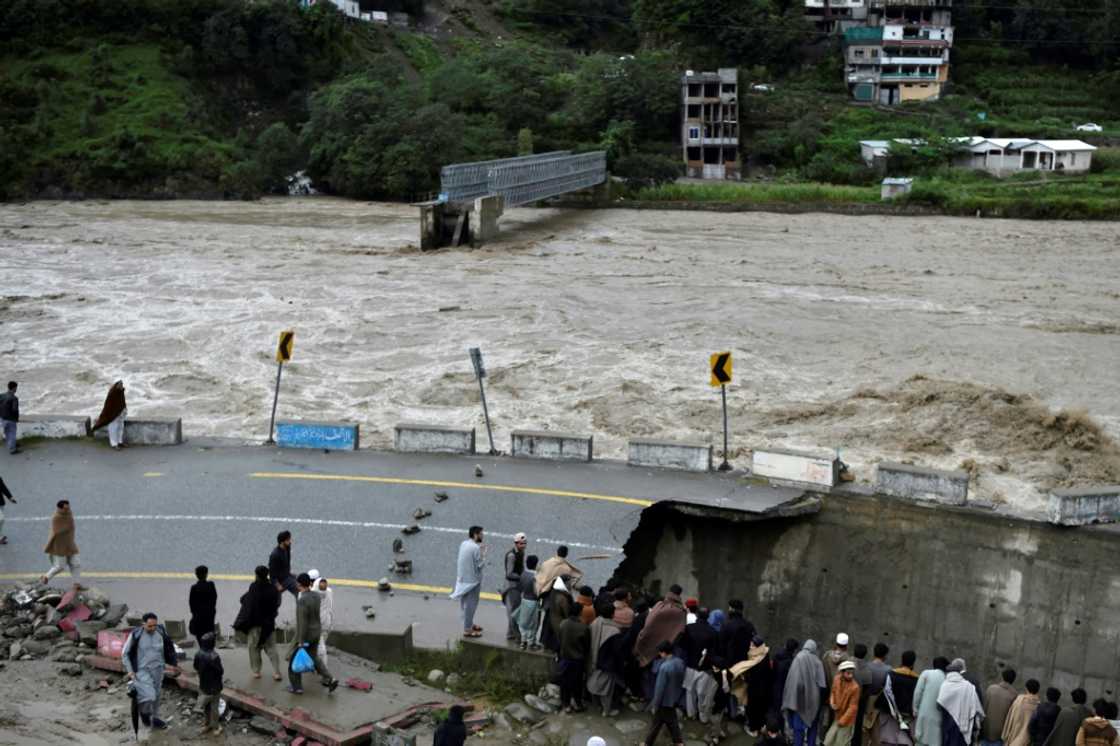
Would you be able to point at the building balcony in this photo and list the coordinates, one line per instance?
(907, 77)
(885, 60)
(863, 77)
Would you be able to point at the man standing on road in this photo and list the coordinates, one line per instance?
(468, 580)
(61, 547)
(112, 415)
(257, 619)
(144, 655)
(9, 416)
(511, 596)
(280, 564)
(997, 703)
(308, 631)
(5, 494)
(203, 602)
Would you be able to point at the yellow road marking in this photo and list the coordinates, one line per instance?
(455, 485)
(153, 473)
(349, 583)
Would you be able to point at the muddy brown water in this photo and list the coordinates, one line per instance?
(590, 321)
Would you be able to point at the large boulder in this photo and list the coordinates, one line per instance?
(87, 631)
(47, 632)
(36, 648)
(113, 615)
(522, 713)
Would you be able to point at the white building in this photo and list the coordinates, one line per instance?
(1000, 155)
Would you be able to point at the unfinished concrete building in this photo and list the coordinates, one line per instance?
(710, 128)
(830, 16)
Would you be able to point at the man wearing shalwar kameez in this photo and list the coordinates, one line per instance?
(145, 653)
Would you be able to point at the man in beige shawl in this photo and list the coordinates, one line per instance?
(61, 547)
(665, 623)
(557, 567)
(1016, 727)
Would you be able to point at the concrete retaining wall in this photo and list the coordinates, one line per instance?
(329, 436)
(382, 647)
(916, 483)
(149, 432)
(529, 669)
(686, 456)
(1080, 507)
(988, 588)
(796, 466)
(544, 444)
(53, 426)
(411, 436)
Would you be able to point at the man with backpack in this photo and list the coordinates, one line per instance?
(146, 653)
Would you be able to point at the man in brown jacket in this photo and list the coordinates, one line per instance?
(997, 703)
(61, 547)
(844, 702)
(1097, 731)
(1016, 731)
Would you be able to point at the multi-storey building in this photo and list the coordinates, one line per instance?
(901, 53)
(710, 123)
(836, 15)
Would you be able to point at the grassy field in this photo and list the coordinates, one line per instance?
(758, 194)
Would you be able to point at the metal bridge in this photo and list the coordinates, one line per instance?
(525, 179)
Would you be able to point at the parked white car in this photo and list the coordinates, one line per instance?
(1089, 127)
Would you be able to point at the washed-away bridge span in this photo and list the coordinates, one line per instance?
(473, 195)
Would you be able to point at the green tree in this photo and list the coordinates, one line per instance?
(278, 156)
(525, 141)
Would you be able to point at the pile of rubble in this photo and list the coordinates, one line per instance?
(38, 621)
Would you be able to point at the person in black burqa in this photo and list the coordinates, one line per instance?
(208, 664)
(453, 732)
(280, 564)
(203, 602)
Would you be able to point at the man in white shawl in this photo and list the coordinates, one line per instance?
(468, 580)
(801, 698)
(320, 585)
(963, 712)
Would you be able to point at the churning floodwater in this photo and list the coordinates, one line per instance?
(590, 321)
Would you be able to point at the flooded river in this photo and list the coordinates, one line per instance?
(590, 321)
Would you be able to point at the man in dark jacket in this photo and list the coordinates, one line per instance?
(5, 494)
(280, 564)
(1044, 718)
(453, 732)
(782, 661)
(735, 635)
(308, 631)
(9, 416)
(698, 637)
(1070, 720)
(575, 645)
(257, 619)
(666, 693)
(511, 596)
(208, 664)
(203, 602)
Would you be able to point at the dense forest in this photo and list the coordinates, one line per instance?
(167, 98)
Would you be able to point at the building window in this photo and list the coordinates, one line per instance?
(711, 90)
(1073, 159)
(694, 154)
(694, 90)
(693, 133)
(874, 52)
(694, 111)
(728, 87)
(859, 52)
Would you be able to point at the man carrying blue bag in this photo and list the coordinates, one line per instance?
(303, 656)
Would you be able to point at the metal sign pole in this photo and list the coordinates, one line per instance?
(723, 393)
(486, 414)
(275, 399)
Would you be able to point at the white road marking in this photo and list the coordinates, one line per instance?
(306, 522)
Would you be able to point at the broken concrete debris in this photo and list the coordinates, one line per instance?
(420, 514)
(44, 622)
(441, 496)
(410, 530)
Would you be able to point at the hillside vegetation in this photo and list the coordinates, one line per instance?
(226, 97)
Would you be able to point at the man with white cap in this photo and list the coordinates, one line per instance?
(596, 741)
(511, 595)
(832, 660)
(320, 585)
(844, 703)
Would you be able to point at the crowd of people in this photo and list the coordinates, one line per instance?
(681, 659)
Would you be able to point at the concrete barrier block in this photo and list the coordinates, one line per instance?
(549, 445)
(329, 436)
(52, 426)
(670, 455)
(1085, 505)
(796, 466)
(916, 483)
(149, 432)
(384, 647)
(417, 437)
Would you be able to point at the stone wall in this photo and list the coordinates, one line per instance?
(941, 581)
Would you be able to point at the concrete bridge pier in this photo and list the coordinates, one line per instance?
(484, 218)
